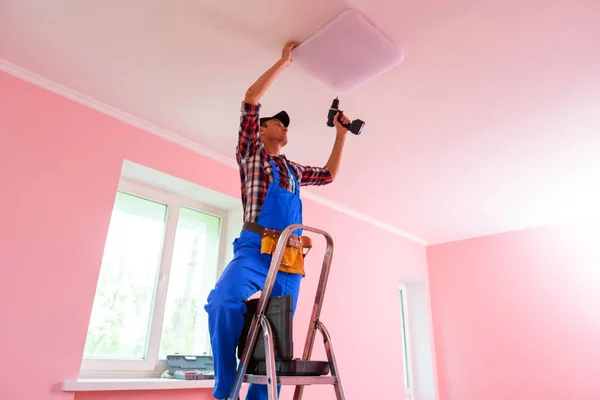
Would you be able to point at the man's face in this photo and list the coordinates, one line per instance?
(274, 131)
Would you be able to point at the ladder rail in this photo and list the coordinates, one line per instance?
(266, 294)
(337, 382)
(270, 358)
(339, 391)
(315, 323)
(317, 305)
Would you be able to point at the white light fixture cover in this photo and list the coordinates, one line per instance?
(347, 52)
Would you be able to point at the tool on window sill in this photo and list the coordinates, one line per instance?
(191, 367)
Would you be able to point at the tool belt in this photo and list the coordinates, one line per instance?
(293, 255)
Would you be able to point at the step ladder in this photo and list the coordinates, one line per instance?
(271, 379)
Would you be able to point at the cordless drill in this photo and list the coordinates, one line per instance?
(355, 126)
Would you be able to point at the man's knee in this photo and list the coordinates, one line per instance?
(238, 282)
(223, 299)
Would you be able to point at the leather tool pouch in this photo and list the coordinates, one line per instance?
(293, 255)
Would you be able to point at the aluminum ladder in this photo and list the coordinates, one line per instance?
(271, 379)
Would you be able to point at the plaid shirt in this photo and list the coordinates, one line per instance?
(256, 172)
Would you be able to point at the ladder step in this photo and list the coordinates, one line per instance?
(293, 380)
(295, 367)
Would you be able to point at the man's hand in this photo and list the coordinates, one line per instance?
(340, 129)
(286, 53)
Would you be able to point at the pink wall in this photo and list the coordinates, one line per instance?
(59, 167)
(516, 315)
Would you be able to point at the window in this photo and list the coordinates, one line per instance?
(162, 256)
(405, 331)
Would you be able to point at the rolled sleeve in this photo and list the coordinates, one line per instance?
(248, 133)
(315, 176)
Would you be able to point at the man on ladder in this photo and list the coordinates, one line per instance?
(270, 186)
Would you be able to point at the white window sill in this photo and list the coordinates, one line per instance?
(86, 385)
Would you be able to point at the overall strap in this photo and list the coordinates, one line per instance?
(275, 173)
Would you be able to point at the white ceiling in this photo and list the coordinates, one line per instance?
(491, 123)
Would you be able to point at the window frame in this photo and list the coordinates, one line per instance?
(406, 341)
(152, 366)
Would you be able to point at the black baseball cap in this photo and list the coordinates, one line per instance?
(281, 116)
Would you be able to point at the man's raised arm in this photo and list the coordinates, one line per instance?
(249, 120)
(258, 89)
(333, 164)
(318, 176)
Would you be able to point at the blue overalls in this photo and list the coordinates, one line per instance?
(244, 276)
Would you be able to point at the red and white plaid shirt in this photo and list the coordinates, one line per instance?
(256, 172)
